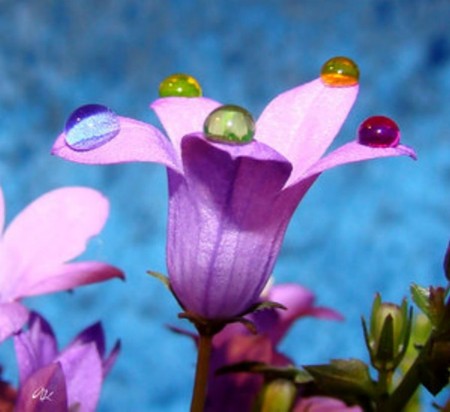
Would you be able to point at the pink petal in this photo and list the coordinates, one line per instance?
(299, 303)
(67, 277)
(2, 210)
(355, 152)
(302, 122)
(324, 404)
(53, 229)
(12, 317)
(136, 142)
(181, 116)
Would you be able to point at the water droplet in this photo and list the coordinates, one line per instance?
(180, 85)
(340, 72)
(379, 131)
(230, 124)
(91, 126)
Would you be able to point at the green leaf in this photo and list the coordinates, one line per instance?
(298, 376)
(421, 296)
(343, 376)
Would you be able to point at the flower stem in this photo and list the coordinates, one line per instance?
(201, 372)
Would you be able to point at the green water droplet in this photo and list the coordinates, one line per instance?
(230, 124)
(180, 85)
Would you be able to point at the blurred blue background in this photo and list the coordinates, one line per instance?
(363, 228)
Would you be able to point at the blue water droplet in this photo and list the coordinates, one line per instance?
(91, 126)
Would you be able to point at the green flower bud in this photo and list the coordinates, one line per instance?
(390, 329)
(277, 396)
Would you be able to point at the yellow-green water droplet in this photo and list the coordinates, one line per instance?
(180, 85)
(340, 72)
(230, 124)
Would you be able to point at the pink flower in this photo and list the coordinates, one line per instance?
(65, 380)
(238, 391)
(324, 404)
(38, 244)
(230, 205)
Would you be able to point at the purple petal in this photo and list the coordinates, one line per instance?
(181, 116)
(109, 362)
(92, 334)
(12, 317)
(302, 122)
(226, 224)
(44, 391)
(82, 367)
(136, 142)
(35, 347)
(355, 152)
(69, 276)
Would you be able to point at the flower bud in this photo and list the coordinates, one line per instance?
(278, 396)
(390, 329)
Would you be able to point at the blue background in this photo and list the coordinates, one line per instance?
(367, 227)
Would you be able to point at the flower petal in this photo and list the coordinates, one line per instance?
(82, 367)
(35, 347)
(182, 115)
(44, 391)
(12, 317)
(324, 404)
(299, 302)
(227, 202)
(110, 360)
(2, 211)
(50, 231)
(67, 277)
(355, 152)
(94, 334)
(302, 122)
(136, 142)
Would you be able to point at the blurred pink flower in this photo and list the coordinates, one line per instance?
(324, 404)
(65, 380)
(237, 391)
(36, 246)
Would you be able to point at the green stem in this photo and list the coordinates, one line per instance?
(201, 372)
(384, 385)
(407, 387)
